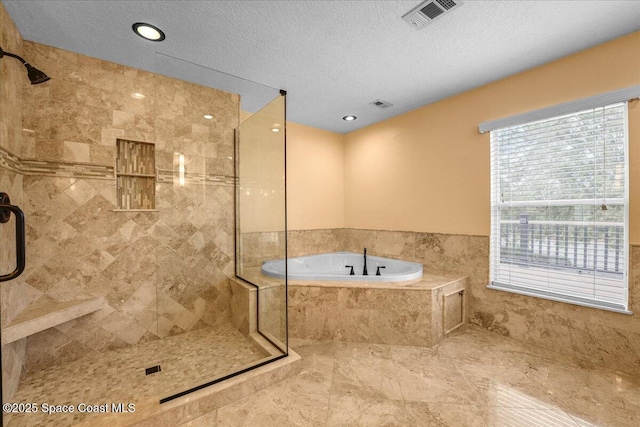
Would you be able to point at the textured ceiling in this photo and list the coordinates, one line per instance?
(332, 57)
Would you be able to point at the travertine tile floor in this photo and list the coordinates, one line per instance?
(187, 360)
(474, 378)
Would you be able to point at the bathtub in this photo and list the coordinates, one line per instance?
(331, 266)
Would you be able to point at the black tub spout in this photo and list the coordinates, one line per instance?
(364, 271)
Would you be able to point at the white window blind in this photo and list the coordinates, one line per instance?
(559, 210)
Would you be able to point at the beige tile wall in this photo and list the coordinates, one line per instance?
(13, 294)
(162, 273)
(12, 73)
(259, 247)
(13, 297)
(610, 339)
(360, 315)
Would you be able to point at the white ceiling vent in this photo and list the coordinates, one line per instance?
(430, 10)
(381, 104)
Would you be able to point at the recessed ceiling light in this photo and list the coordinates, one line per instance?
(275, 130)
(137, 95)
(208, 116)
(349, 118)
(148, 31)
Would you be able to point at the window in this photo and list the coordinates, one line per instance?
(559, 209)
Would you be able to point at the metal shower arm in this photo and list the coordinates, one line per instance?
(19, 58)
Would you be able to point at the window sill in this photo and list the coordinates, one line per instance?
(560, 298)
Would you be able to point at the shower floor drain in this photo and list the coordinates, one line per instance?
(152, 370)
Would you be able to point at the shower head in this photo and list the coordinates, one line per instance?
(36, 76)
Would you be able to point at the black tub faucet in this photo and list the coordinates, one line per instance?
(364, 271)
(352, 273)
(378, 270)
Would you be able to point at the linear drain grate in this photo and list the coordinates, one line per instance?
(152, 370)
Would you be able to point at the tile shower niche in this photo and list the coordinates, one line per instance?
(135, 175)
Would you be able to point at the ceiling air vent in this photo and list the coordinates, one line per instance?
(427, 12)
(381, 104)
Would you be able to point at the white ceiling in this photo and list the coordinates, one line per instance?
(332, 57)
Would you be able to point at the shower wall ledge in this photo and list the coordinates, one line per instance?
(43, 315)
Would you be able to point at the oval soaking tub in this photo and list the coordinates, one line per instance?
(332, 266)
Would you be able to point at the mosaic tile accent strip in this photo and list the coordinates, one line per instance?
(67, 170)
(14, 163)
(10, 161)
(54, 169)
(167, 176)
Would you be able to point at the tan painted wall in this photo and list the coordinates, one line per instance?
(261, 170)
(315, 178)
(428, 170)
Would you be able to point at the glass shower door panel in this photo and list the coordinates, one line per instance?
(201, 334)
(261, 212)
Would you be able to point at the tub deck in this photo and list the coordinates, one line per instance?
(429, 280)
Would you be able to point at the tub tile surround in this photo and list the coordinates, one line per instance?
(308, 242)
(271, 314)
(602, 337)
(396, 313)
(258, 299)
(266, 246)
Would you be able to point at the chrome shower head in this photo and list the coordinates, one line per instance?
(35, 76)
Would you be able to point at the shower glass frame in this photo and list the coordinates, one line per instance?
(259, 101)
(261, 234)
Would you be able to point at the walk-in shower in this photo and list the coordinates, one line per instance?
(147, 201)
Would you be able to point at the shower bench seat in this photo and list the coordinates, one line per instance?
(43, 315)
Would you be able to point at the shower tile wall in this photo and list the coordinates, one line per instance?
(13, 298)
(610, 339)
(77, 246)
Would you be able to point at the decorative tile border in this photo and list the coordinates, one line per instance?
(66, 170)
(54, 169)
(88, 171)
(10, 161)
(167, 176)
